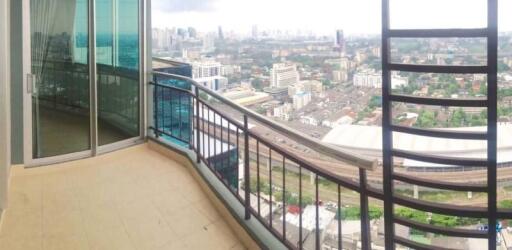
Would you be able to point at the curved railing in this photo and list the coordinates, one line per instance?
(286, 191)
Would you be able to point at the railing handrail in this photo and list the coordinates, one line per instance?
(324, 148)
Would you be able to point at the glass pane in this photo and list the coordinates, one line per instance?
(117, 53)
(60, 100)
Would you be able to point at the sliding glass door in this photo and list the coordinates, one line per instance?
(59, 80)
(117, 58)
(82, 83)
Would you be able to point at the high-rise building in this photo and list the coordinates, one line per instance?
(192, 32)
(255, 32)
(208, 74)
(220, 33)
(283, 75)
(182, 32)
(209, 43)
(340, 41)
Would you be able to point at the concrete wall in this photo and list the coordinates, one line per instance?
(5, 126)
(16, 82)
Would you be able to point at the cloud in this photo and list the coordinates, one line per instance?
(184, 6)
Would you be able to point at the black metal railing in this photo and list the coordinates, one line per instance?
(220, 141)
(391, 198)
(271, 180)
(288, 192)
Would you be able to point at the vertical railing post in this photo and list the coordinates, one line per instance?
(317, 215)
(247, 174)
(387, 137)
(191, 120)
(365, 219)
(155, 108)
(198, 137)
(492, 116)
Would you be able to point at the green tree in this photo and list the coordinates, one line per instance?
(426, 119)
(257, 84)
(375, 101)
(459, 118)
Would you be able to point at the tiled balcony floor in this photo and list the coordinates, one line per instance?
(135, 198)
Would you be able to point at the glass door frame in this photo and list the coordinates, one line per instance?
(94, 149)
(142, 79)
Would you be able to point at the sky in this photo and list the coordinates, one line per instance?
(355, 17)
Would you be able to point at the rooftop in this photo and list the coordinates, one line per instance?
(369, 138)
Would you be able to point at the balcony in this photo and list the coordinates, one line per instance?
(141, 197)
(187, 188)
(175, 165)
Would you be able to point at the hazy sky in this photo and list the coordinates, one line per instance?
(325, 16)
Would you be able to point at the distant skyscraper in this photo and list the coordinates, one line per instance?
(340, 41)
(192, 32)
(182, 32)
(209, 43)
(255, 32)
(221, 34)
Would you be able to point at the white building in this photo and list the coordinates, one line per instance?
(208, 73)
(310, 86)
(368, 79)
(227, 70)
(301, 99)
(313, 86)
(283, 75)
(372, 79)
(294, 89)
(309, 216)
(283, 112)
(339, 76)
(399, 81)
(309, 120)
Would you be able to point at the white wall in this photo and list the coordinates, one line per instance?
(5, 153)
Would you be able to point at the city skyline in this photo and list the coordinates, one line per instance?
(355, 17)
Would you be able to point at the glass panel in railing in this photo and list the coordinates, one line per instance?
(173, 107)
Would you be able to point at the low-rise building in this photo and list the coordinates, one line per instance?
(246, 96)
(301, 99)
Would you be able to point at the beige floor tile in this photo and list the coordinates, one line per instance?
(21, 230)
(187, 220)
(32, 243)
(100, 216)
(134, 198)
(238, 246)
(109, 239)
(168, 203)
(63, 223)
(207, 209)
(222, 234)
(212, 237)
(193, 193)
(65, 242)
(173, 245)
(148, 231)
